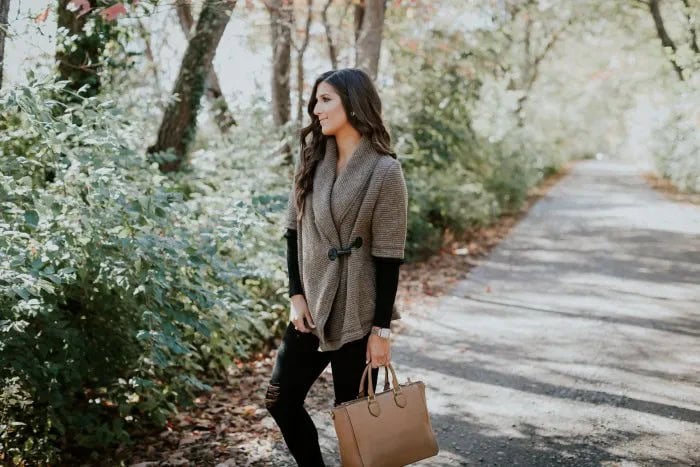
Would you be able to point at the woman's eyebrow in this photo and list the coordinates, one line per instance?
(323, 94)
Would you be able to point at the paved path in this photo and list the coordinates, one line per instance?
(576, 342)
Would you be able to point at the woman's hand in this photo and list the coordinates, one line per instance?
(378, 351)
(299, 311)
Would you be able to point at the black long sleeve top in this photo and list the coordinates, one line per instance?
(386, 275)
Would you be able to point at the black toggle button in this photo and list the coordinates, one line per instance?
(334, 252)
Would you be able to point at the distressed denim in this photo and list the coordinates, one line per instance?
(299, 363)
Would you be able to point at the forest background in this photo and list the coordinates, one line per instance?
(147, 147)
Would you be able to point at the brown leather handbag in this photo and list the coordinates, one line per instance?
(389, 429)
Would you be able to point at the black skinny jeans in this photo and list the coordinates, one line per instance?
(299, 363)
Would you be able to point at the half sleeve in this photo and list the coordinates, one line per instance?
(291, 218)
(389, 218)
(290, 221)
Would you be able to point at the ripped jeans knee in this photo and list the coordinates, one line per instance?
(272, 397)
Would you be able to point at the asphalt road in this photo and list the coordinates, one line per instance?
(576, 342)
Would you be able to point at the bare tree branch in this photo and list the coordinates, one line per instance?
(534, 69)
(663, 35)
(329, 35)
(146, 36)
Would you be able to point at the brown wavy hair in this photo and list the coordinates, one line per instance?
(357, 94)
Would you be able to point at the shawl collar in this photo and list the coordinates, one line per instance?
(350, 185)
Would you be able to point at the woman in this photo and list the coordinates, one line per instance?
(346, 232)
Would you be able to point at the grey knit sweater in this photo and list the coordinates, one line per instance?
(386, 280)
(366, 206)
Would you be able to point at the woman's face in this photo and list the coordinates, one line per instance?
(329, 109)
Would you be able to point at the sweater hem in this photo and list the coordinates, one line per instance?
(397, 253)
(347, 337)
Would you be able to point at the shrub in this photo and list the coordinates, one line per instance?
(676, 145)
(109, 286)
(457, 178)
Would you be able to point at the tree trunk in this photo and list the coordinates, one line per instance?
(359, 15)
(222, 114)
(281, 17)
(4, 12)
(179, 125)
(531, 68)
(300, 63)
(78, 64)
(663, 35)
(146, 36)
(333, 54)
(369, 26)
(281, 20)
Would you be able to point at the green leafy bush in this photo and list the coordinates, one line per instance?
(458, 177)
(111, 289)
(676, 145)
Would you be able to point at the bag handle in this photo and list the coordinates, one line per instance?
(399, 397)
(361, 391)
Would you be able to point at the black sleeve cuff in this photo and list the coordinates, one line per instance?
(387, 281)
(293, 263)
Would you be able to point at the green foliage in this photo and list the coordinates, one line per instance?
(676, 145)
(453, 200)
(513, 169)
(124, 292)
(114, 295)
(459, 178)
(102, 42)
